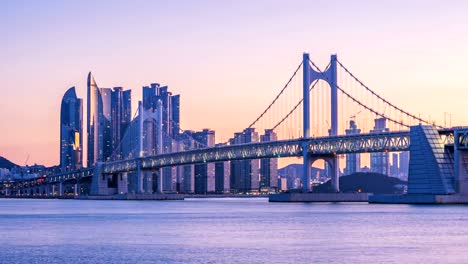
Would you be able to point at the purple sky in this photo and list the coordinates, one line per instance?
(223, 57)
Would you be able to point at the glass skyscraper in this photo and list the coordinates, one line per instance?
(109, 116)
(245, 173)
(379, 161)
(205, 173)
(268, 167)
(170, 126)
(94, 122)
(353, 161)
(71, 131)
(171, 105)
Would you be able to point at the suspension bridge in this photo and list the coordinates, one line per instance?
(309, 115)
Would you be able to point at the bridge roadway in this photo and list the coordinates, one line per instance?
(319, 146)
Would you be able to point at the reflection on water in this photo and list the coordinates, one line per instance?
(229, 231)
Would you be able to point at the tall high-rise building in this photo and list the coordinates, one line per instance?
(109, 115)
(269, 167)
(94, 122)
(105, 123)
(121, 109)
(379, 161)
(204, 173)
(170, 126)
(394, 168)
(222, 175)
(71, 131)
(245, 173)
(353, 161)
(171, 106)
(175, 115)
(186, 173)
(404, 165)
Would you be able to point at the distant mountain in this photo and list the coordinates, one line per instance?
(364, 182)
(6, 164)
(296, 170)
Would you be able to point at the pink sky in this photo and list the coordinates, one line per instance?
(226, 59)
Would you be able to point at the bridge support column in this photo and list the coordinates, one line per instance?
(77, 189)
(160, 181)
(122, 183)
(461, 175)
(306, 121)
(335, 174)
(306, 169)
(148, 184)
(139, 179)
(335, 170)
(60, 188)
(100, 181)
(461, 163)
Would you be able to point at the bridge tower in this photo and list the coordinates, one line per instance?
(330, 76)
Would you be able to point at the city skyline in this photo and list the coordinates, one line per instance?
(262, 131)
(243, 66)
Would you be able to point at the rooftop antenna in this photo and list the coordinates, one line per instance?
(26, 161)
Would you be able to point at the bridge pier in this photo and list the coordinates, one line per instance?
(54, 191)
(306, 169)
(306, 70)
(61, 189)
(76, 189)
(461, 161)
(335, 174)
(160, 181)
(139, 179)
(148, 181)
(331, 161)
(122, 183)
(99, 184)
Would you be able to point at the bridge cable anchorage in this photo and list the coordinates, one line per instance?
(357, 101)
(383, 99)
(277, 97)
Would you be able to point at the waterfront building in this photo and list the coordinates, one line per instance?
(245, 173)
(222, 175)
(71, 131)
(283, 184)
(121, 111)
(404, 165)
(268, 167)
(109, 116)
(394, 168)
(379, 161)
(171, 107)
(353, 161)
(204, 173)
(186, 173)
(170, 128)
(105, 123)
(94, 122)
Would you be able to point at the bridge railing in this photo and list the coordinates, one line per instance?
(373, 142)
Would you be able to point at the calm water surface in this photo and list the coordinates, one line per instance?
(229, 231)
